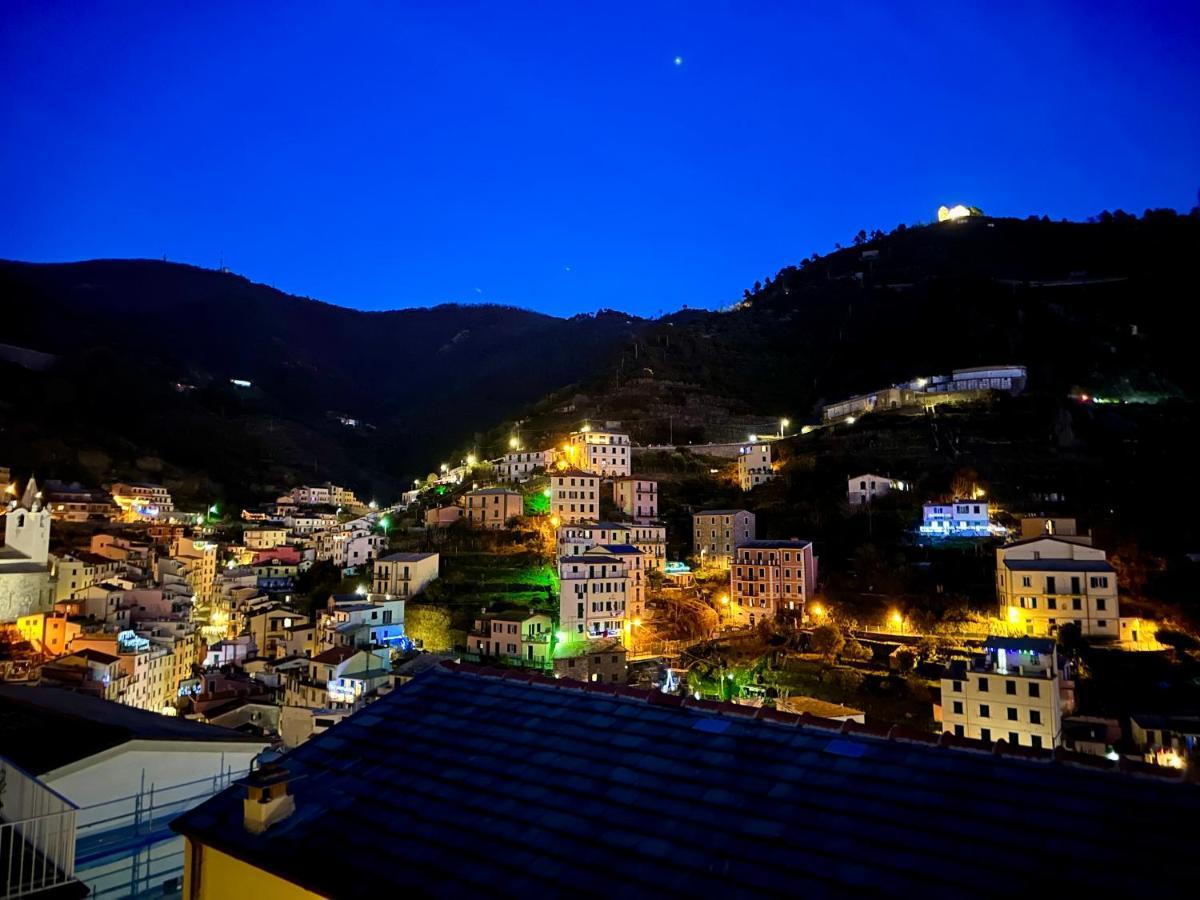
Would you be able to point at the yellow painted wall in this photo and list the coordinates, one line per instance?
(223, 878)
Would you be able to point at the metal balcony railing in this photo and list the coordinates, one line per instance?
(37, 835)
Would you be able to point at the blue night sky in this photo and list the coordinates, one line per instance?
(554, 155)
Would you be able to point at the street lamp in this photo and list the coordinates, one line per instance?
(783, 424)
(897, 620)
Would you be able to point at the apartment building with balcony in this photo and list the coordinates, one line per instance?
(754, 465)
(492, 507)
(403, 575)
(606, 453)
(141, 501)
(523, 464)
(516, 636)
(771, 579)
(716, 534)
(577, 539)
(594, 595)
(637, 497)
(1011, 692)
(1044, 583)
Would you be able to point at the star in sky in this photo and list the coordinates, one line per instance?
(679, 60)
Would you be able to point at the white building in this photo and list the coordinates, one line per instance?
(523, 464)
(594, 593)
(754, 465)
(1011, 693)
(140, 500)
(311, 495)
(636, 497)
(606, 453)
(651, 539)
(404, 574)
(716, 534)
(1044, 583)
(962, 518)
(25, 583)
(862, 489)
(574, 496)
(135, 772)
(264, 538)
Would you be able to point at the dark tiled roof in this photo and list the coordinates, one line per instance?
(466, 781)
(335, 656)
(1057, 565)
(406, 557)
(45, 728)
(620, 548)
(774, 545)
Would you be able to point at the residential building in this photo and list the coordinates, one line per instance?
(138, 556)
(960, 518)
(636, 497)
(594, 593)
(264, 538)
(442, 516)
(716, 534)
(310, 520)
(771, 579)
(754, 465)
(339, 678)
(577, 539)
(200, 558)
(26, 586)
(493, 507)
(606, 453)
(269, 626)
(1044, 583)
(1166, 740)
(523, 464)
(1012, 692)
(1062, 527)
(894, 823)
(927, 391)
(77, 571)
(49, 633)
(311, 495)
(141, 501)
(363, 622)
(602, 661)
(124, 774)
(517, 636)
(403, 574)
(637, 564)
(574, 496)
(651, 539)
(861, 490)
(75, 503)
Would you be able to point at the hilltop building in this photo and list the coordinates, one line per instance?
(523, 464)
(141, 501)
(594, 594)
(516, 636)
(754, 465)
(637, 497)
(959, 518)
(861, 490)
(961, 384)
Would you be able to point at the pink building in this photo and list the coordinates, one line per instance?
(772, 579)
(636, 497)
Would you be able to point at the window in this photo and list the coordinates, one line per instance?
(985, 711)
(1035, 689)
(958, 731)
(1098, 581)
(1010, 687)
(985, 734)
(1013, 738)
(1076, 603)
(1035, 740)
(1012, 714)
(1100, 604)
(1051, 603)
(983, 685)
(1035, 717)
(958, 687)
(1026, 581)
(958, 707)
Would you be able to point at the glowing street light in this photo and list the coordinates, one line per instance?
(897, 620)
(783, 424)
(818, 610)
(850, 420)
(724, 599)
(470, 460)
(514, 442)
(445, 468)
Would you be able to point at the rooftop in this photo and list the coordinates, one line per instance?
(534, 784)
(720, 512)
(46, 728)
(406, 557)
(792, 544)
(335, 656)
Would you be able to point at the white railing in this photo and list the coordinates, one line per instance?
(37, 834)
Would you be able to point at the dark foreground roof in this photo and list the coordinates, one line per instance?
(45, 728)
(472, 781)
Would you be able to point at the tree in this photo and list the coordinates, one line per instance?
(860, 238)
(428, 626)
(856, 651)
(904, 659)
(1070, 638)
(828, 641)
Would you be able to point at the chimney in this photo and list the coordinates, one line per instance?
(267, 799)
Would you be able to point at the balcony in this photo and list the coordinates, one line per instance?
(37, 839)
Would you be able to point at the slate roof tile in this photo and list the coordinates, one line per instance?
(510, 786)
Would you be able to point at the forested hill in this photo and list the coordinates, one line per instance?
(1107, 307)
(147, 350)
